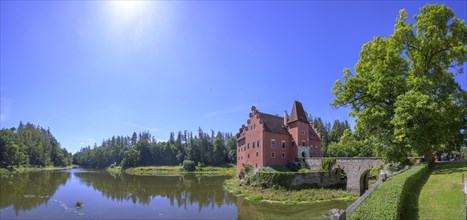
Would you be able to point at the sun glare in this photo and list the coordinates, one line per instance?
(126, 9)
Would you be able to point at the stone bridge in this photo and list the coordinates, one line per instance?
(356, 169)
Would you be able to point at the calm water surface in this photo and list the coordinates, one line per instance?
(53, 195)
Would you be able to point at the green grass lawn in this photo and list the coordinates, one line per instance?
(442, 196)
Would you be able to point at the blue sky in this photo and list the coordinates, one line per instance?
(93, 69)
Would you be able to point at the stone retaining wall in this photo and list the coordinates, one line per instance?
(318, 179)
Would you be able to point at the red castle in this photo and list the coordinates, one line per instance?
(268, 140)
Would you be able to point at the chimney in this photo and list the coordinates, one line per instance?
(286, 118)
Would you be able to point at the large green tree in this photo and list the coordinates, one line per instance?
(403, 92)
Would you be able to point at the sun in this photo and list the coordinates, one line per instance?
(127, 9)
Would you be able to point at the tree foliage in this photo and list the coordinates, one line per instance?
(330, 134)
(31, 145)
(403, 93)
(143, 150)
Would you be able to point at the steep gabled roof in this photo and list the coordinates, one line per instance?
(298, 114)
(314, 134)
(273, 123)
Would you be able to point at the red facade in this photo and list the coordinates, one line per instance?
(268, 140)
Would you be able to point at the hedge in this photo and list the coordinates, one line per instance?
(391, 199)
(271, 179)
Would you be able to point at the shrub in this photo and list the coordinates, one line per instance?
(257, 197)
(245, 171)
(392, 198)
(189, 165)
(326, 163)
(374, 172)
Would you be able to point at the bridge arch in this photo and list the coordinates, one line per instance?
(356, 168)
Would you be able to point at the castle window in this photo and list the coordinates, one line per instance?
(257, 143)
(257, 154)
(283, 155)
(253, 144)
(273, 155)
(293, 143)
(254, 126)
(303, 143)
(273, 143)
(248, 155)
(303, 132)
(248, 146)
(283, 144)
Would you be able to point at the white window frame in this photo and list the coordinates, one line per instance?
(283, 145)
(273, 143)
(283, 154)
(273, 154)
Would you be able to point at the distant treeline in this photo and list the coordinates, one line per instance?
(31, 145)
(143, 150)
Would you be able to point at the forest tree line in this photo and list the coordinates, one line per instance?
(338, 140)
(142, 149)
(30, 145)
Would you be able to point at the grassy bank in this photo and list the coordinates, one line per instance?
(442, 196)
(33, 169)
(174, 170)
(286, 196)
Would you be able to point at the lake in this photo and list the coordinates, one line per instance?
(53, 195)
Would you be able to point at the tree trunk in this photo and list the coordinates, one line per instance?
(429, 159)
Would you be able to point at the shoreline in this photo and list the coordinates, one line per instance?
(173, 171)
(34, 169)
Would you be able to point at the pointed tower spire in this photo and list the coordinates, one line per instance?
(298, 114)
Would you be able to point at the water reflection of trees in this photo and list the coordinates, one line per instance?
(25, 191)
(185, 190)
